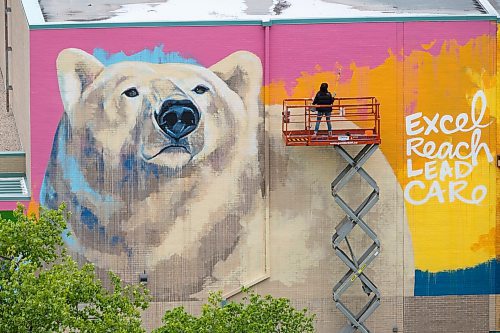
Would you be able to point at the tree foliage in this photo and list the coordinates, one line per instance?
(255, 314)
(42, 289)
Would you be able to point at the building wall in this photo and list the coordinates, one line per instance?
(19, 65)
(233, 205)
(447, 314)
(415, 68)
(2, 33)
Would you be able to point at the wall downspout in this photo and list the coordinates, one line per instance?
(267, 100)
(8, 49)
(266, 94)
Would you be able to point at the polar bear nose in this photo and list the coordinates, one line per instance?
(177, 118)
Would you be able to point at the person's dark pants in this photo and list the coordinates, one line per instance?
(318, 120)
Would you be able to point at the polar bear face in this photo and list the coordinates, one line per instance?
(168, 114)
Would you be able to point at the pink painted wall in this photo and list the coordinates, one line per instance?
(10, 205)
(301, 49)
(298, 49)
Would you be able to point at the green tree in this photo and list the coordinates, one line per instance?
(255, 314)
(42, 289)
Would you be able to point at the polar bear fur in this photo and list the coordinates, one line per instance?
(141, 200)
(224, 212)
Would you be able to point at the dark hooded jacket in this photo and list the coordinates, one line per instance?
(323, 97)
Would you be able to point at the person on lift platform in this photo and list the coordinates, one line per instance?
(323, 97)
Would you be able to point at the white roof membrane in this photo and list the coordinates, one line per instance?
(63, 11)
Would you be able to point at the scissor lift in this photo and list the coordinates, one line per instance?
(355, 121)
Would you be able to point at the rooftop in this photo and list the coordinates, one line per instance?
(103, 11)
(495, 4)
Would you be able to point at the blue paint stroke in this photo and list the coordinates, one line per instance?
(88, 218)
(73, 173)
(69, 240)
(115, 240)
(48, 192)
(155, 56)
(482, 279)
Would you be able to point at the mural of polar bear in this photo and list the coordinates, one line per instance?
(168, 170)
(159, 164)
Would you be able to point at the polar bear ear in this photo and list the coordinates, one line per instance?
(242, 72)
(76, 70)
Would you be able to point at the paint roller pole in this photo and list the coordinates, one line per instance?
(339, 75)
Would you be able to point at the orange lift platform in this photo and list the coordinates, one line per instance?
(355, 121)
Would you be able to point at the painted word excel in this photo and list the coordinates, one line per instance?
(443, 176)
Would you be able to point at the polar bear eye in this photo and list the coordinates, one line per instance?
(132, 92)
(200, 89)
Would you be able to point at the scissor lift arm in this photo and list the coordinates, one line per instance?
(352, 219)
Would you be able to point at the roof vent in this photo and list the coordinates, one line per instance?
(13, 187)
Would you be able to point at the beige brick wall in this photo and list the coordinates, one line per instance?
(496, 313)
(384, 319)
(457, 314)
